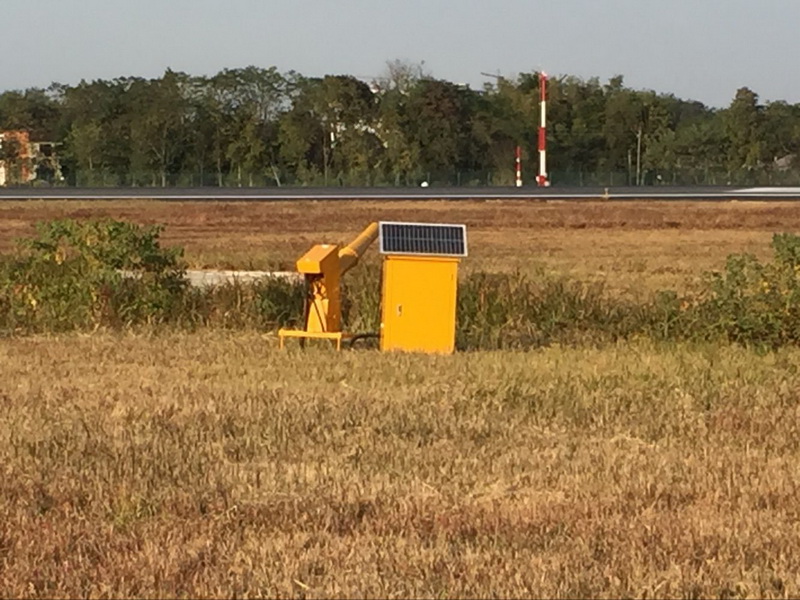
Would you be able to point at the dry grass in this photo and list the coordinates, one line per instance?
(214, 465)
(210, 464)
(633, 247)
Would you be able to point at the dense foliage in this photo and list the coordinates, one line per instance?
(78, 275)
(256, 126)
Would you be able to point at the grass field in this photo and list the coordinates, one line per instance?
(633, 247)
(161, 463)
(213, 465)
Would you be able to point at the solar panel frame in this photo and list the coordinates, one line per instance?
(422, 239)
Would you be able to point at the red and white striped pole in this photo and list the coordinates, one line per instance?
(518, 165)
(542, 179)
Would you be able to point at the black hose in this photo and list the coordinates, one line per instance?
(364, 336)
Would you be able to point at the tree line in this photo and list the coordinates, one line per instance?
(257, 126)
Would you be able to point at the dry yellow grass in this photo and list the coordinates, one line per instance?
(210, 464)
(634, 247)
(213, 465)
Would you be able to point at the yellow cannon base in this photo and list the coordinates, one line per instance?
(334, 336)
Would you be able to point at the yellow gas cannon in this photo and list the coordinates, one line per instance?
(323, 267)
(419, 285)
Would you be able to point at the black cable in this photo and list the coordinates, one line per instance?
(364, 336)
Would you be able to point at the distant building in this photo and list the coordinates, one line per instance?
(784, 163)
(23, 161)
(15, 157)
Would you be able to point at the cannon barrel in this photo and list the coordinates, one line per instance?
(350, 254)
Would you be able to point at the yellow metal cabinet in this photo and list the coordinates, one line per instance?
(418, 313)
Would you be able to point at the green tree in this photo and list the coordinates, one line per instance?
(442, 126)
(400, 155)
(781, 136)
(330, 129)
(33, 110)
(743, 125)
(252, 102)
(84, 145)
(159, 126)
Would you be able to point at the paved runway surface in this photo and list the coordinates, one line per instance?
(429, 193)
(211, 277)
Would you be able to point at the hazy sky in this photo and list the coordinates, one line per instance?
(698, 49)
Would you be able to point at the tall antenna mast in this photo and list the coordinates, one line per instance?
(542, 179)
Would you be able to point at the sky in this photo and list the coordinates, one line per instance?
(697, 49)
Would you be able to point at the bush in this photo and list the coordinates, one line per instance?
(754, 303)
(84, 275)
(78, 275)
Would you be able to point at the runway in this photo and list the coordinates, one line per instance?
(386, 193)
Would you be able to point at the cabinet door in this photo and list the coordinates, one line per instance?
(419, 304)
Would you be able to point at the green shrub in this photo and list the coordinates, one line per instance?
(79, 275)
(106, 245)
(754, 303)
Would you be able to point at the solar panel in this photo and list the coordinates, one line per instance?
(423, 239)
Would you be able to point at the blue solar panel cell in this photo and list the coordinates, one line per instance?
(426, 239)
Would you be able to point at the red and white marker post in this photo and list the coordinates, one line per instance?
(518, 166)
(542, 179)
